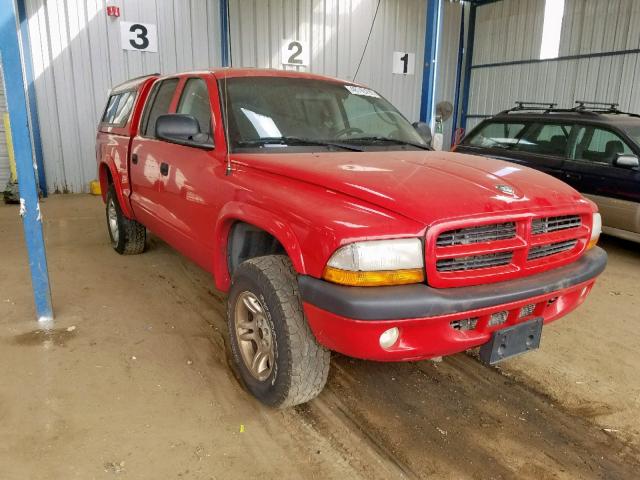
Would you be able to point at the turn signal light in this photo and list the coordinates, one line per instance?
(375, 278)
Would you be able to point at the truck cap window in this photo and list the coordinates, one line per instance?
(285, 111)
(119, 108)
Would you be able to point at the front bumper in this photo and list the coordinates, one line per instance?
(350, 320)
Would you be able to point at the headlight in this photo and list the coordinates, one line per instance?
(596, 230)
(377, 262)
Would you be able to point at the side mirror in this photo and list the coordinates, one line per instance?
(627, 161)
(424, 131)
(182, 129)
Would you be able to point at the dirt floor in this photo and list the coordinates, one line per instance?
(132, 381)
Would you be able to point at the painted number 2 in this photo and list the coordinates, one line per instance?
(141, 40)
(295, 52)
(296, 47)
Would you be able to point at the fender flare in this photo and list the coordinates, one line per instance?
(233, 212)
(122, 199)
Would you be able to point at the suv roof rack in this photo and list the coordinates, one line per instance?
(582, 106)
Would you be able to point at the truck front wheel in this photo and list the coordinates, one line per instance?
(128, 237)
(275, 352)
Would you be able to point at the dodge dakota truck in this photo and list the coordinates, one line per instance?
(332, 225)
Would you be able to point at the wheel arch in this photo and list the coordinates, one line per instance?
(253, 219)
(107, 175)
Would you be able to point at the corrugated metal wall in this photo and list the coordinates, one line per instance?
(77, 57)
(4, 154)
(448, 61)
(336, 31)
(511, 30)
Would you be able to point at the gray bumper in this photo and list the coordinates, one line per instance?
(419, 301)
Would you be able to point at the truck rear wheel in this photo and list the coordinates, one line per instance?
(275, 352)
(128, 237)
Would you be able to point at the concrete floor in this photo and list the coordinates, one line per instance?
(132, 381)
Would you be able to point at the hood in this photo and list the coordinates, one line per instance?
(421, 185)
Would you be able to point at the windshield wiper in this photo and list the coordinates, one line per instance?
(294, 141)
(380, 139)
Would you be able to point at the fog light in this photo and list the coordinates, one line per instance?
(389, 337)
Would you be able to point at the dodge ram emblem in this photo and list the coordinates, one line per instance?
(506, 189)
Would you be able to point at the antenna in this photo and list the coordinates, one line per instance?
(228, 170)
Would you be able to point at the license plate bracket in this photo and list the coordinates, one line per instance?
(512, 341)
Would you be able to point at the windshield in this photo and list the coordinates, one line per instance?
(285, 111)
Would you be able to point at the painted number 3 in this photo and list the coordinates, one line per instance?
(296, 48)
(141, 41)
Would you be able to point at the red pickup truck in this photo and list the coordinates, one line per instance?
(333, 226)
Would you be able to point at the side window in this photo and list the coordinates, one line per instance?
(160, 102)
(496, 135)
(545, 139)
(110, 111)
(195, 101)
(125, 106)
(599, 145)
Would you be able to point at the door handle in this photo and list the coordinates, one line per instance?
(164, 169)
(574, 176)
(134, 158)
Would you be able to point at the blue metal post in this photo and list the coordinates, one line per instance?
(430, 60)
(224, 31)
(33, 109)
(12, 67)
(468, 63)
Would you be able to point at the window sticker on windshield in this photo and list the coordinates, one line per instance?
(365, 92)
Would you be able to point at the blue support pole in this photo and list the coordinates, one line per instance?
(468, 63)
(12, 67)
(224, 31)
(31, 90)
(432, 34)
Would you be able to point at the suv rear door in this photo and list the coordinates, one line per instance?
(539, 145)
(590, 169)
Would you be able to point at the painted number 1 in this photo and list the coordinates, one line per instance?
(405, 63)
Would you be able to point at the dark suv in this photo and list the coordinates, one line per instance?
(593, 147)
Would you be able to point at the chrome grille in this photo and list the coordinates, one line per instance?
(550, 249)
(474, 262)
(554, 224)
(484, 233)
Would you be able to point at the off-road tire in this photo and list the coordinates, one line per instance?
(301, 364)
(132, 236)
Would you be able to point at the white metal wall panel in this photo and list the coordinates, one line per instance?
(448, 61)
(589, 26)
(336, 31)
(77, 57)
(4, 154)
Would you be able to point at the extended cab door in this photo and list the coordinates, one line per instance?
(148, 158)
(591, 170)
